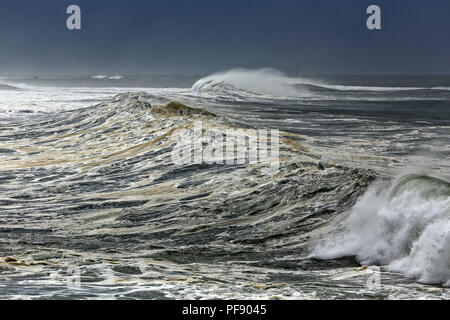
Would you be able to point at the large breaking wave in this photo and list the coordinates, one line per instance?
(242, 84)
(262, 81)
(268, 81)
(405, 227)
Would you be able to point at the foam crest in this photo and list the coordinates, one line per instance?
(261, 81)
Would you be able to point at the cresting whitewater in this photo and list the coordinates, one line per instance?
(92, 205)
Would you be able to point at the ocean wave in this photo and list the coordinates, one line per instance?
(441, 88)
(103, 77)
(370, 88)
(98, 187)
(99, 76)
(245, 81)
(8, 87)
(98, 183)
(241, 84)
(405, 227)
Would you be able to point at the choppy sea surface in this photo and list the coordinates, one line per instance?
(92, 204)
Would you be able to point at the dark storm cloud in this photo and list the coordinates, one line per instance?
(201, 36)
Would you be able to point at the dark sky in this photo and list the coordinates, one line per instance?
(202, 36)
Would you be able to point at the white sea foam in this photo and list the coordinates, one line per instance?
(441, 88)
(99, 76)
(370, 88)
(104, 77)
(405, 227)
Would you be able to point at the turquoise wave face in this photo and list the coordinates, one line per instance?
(424, 186)
(404, 227)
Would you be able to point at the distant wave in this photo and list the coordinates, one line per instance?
(8, 87)
(369, 88)
(378, 88)
(405, 227)
(99, 76)
(245, 82)
(441, 88)
(262, 81)
(104, 77)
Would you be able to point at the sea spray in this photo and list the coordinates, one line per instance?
(405, 227)
(261, 81)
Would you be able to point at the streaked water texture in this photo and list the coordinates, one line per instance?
(92, 205)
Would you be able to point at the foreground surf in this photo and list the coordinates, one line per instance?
(405, 227)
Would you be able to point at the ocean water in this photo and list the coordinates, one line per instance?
(92, 204)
